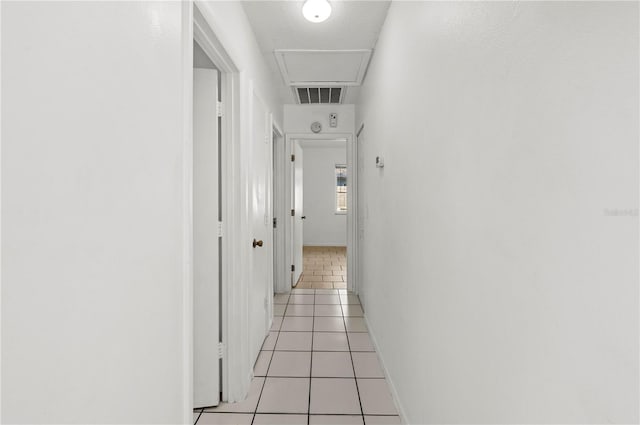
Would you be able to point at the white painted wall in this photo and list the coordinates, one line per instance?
(94, 319)
(232, 28)
(322, 226)
(498, 283)
(92, 212)
(298, 118)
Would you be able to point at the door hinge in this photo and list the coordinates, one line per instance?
(293, 213)
(275, 222)
(293, 158)
(219, 108)
(219, 229)
(293, 268)
(220, 350)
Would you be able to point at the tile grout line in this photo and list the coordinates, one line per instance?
(198, 418)
(266, 374)
(313, 324)
(355, 377)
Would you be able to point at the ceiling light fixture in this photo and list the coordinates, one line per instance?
(316, 10)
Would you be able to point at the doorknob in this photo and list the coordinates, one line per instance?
(257, 243)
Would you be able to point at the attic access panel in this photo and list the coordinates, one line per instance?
(323, 67)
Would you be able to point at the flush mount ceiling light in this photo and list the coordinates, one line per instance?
(316, 10)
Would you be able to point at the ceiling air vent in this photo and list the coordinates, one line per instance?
(319, 95)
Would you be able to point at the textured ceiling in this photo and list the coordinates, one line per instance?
(280, 25)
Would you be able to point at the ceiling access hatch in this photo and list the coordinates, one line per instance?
(323, 68)
(319, 95)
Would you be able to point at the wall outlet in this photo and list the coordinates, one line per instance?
(333, 119)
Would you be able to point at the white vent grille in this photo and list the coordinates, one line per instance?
(319, 95)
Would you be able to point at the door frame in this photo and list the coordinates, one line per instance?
(198, 25)
(352, 203)
(279, 166)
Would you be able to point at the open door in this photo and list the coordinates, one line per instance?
(297, 216)
(206, 281)
(260, 290)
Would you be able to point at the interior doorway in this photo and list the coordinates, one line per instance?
(322, 207)
(206, 243)
(319, 217)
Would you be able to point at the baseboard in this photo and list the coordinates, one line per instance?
(394, 392)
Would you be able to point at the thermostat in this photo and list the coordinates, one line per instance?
(333, 119)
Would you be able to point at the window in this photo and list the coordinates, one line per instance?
(341, 189)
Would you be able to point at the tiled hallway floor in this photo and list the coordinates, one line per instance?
(317, 366)
(324, 267)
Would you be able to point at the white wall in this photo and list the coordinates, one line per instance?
(498, 283)
(298, 118)
(92, 212)
(233, 30)
(322, 226)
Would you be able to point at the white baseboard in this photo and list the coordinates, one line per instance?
(394, 392)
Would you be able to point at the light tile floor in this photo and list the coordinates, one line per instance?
(324, 267)
(317, 367)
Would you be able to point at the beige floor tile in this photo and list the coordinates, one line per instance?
(367, 365)
(246, 406)
(278, 309)
(355, 324)
(360, 341)
(299, 310)
(352, 310)
(332, 365)
(285, 395)
(322, 285)
(328, 310)
(381, 420)
(277, 322)
(375, 397)
(330, 341)
(262, 364)
(270, 341)
(327, 299)
(294, 341)
(338, 396)
(225, 419)
(281, 298)
(301, 299)
(263, 419)
(340, 285)
(297, 324)
(335, 420)
(290, 364)
(328, 324)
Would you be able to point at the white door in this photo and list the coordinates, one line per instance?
(261, 233)
(297, 224)
(206, 336)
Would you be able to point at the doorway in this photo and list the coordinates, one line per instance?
(320, 213)
(323, 223)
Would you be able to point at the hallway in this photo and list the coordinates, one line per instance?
(317, 366)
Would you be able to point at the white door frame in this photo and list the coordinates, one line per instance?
(352, 203)
(236, 368)
(280, 163)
